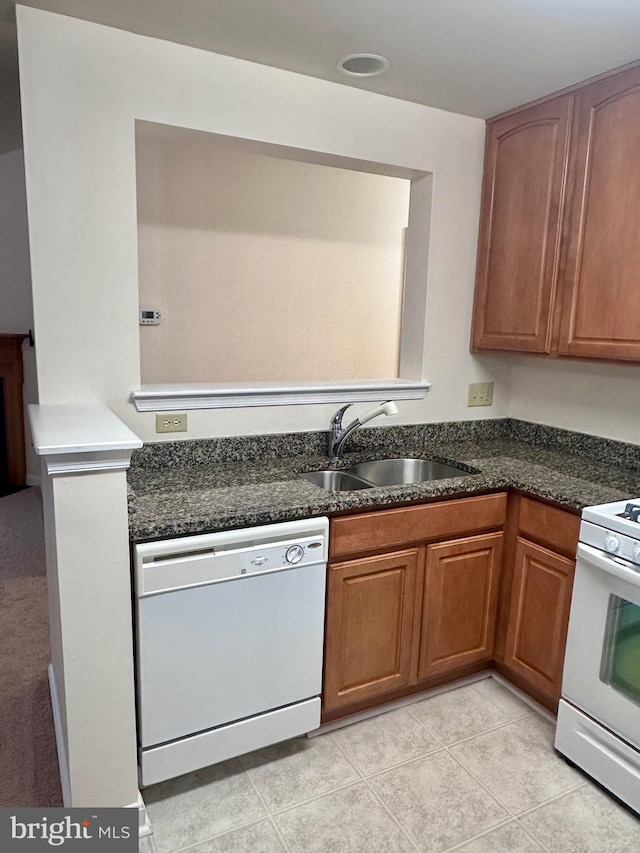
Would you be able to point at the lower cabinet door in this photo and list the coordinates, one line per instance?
(460, 603)
(370, 640)
(539, 617)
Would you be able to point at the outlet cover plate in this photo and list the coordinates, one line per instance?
(171, 422)
(480, 394)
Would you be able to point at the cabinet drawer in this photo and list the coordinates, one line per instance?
(550, 526)
(372, 531)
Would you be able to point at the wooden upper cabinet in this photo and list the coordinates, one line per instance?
(371, 644)
(460, 603)
(519, 242)
(601, 267)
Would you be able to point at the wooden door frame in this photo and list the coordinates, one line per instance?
(12, 375)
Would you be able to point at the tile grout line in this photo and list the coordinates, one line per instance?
(530, 832)
(534, 837)
(293, 805)
(290, 806)
(409, 707)
(404, 763)
(482, 834)
(518, 815)
(479, 734)
(437, 748)
(506, 722)
(264, 806)
(224, 832)
(552, 799)
(402, 829)
(539, 739)
(378, 798)
(425, 727)
(481, 783)
(527, 700)
(530, 708)
(276, 828)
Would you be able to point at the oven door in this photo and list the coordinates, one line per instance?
(602, 662)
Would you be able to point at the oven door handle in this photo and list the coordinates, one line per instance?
(609, 564)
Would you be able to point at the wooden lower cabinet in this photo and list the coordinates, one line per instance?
(391, 624)
(538, 618)
(460, 603)
(407, 620)
(371, 644)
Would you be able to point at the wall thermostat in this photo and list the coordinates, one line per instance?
(150, 317)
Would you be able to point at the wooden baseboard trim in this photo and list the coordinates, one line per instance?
(439, 684)
(398, 703)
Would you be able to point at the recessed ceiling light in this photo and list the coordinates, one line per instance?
(363, 65)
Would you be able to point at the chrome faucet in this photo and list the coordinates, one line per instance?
(338, 434)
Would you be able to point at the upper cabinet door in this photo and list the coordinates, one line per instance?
(601, 304)
(518, 251)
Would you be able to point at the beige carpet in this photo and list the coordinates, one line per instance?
(28, 760)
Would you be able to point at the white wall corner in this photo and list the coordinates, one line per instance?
(63, 763)
(144, 825)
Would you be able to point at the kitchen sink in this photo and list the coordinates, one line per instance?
(394, 472)
(383, 472)
(335, 481)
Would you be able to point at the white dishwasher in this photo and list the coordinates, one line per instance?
(229, 643)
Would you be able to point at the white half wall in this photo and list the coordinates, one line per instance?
(83, 87)
(601, 399)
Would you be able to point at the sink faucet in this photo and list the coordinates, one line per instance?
(338, 434)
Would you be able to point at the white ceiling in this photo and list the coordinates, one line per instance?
(478, 57)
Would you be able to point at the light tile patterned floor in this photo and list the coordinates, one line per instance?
(472, 770)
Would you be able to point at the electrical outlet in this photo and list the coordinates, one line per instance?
(480, 394)
(171, 423)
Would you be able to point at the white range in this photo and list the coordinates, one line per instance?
(599, 713)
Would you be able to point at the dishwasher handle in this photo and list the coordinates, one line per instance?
(163, 574)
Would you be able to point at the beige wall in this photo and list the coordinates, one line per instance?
(265, 268)
(601, 399)
(83, 88)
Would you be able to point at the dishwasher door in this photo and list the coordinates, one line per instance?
(232, 631)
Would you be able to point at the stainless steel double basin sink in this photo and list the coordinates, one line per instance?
(383, 472)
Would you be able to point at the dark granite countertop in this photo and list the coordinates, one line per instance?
(179, 488)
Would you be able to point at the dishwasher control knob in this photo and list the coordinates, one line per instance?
(294, 554)
(611, 544)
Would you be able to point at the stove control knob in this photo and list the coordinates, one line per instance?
(612, 544)
(636, 554)
(294, 554)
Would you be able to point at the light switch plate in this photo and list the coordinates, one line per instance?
(171, 422)
(480, 394)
